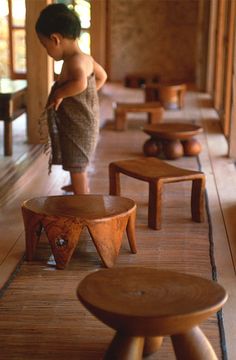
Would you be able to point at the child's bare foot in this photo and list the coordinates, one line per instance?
(67, 188)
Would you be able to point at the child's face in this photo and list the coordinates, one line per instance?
(52, 46)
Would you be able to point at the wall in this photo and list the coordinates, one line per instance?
(152, 36)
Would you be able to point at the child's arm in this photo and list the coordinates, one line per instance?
(71, 87)
(100, 75)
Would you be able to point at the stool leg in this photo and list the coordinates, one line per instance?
(154, 205)
(193, 345)
(107, 237)
(125, 347)
(63, 236)
(154, 117)
(197, 199)
(120, 120)
(152, 344)
(181, 98)
(114, 180)
(33, 228)
(130, 230)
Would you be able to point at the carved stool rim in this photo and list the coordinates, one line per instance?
(36, 205)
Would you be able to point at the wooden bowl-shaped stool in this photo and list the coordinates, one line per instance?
(174, 139)
(157, 173)
(145, 304)
(64, 217)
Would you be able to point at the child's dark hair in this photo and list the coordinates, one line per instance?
(57, 18)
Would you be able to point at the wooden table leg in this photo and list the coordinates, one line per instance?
(8, 138)
(193, 345)
(125, 347)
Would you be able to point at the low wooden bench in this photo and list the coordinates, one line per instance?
(157, 173)
(170, 95)
(154, 110)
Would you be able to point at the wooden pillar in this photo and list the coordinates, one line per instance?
(202, 44)
(98, 31)
(230, 55)
(211, 47)
(220, 56)
(39, 70)
(232, 127)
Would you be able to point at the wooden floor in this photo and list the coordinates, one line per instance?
(40, 317)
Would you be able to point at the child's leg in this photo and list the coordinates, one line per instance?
(79, 182)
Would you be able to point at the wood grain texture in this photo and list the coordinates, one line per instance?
(40, 315)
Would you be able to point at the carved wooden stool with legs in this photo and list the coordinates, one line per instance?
(157, 173)
(145, 304)
(64, 217)
(154, 110)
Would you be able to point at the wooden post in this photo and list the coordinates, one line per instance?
(232, 128)
(39, 70)
(98, 31)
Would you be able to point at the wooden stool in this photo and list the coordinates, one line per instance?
(136, 80)
(157, 173)
(173, 140)
(145, 304)
(64, 217)
(171, 96)
(154, 109)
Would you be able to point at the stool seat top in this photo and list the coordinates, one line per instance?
(135, 105)
(175, 85)
(150, 168)
(168, 298)
(172, 131)
(90, 207)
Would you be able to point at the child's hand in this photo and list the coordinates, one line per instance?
(55, 103)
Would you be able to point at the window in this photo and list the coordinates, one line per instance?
(12, 35)
(83, 9)
(12, 39)
(4, 40)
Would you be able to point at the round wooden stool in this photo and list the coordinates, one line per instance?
(145, 304)
(173, 139)
(64, 217)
